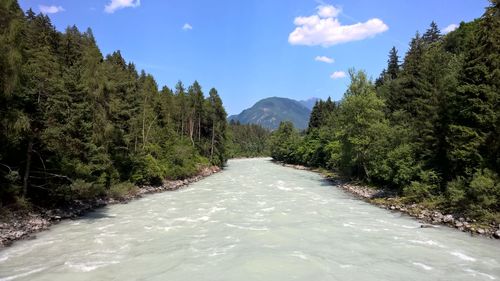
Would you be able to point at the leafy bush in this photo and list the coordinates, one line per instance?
(426, 187)
(81, 189)
(485, 189)
(122, 190)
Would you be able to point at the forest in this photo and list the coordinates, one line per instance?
(247, 140)
(77, 125)
(427, 128)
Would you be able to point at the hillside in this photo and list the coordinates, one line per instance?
(270, 112)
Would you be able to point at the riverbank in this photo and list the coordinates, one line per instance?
(23, 224)
(389, 200)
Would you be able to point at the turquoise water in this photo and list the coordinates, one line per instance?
(254, 221)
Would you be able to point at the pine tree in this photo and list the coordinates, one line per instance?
(393, 64)
(474, 139)
(432, 34)
(218, 131)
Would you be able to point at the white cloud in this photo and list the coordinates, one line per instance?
(338, 75)
(328, 11)
(325, 29)
(114, 5)
(50, 9)
(187, 26)
(450, 28)
(324, 59)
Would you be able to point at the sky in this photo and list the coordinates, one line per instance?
(252, 49)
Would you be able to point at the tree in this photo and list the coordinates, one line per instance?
(284, 143)
(432, 34)
(393, 64)
(218, 131)
(474, 137)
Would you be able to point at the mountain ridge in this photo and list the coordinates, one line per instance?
(270, 112)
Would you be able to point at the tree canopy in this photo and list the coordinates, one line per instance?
(427, 128)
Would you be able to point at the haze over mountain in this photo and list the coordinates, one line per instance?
(309, 103)
(270, 112)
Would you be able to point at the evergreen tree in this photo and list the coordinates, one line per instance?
(474, 134)
(432, 34)
(393, 64)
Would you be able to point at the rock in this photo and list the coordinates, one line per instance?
(392, 207)
(480, 231)
(426, 226)
(497, 234)
(459, 224)
(437, 216)
(448, 219)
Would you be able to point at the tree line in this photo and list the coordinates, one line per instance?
(428, 127)
(78, 125)
(247, 140)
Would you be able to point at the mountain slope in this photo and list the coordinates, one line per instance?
(309, 103)
(270, 112)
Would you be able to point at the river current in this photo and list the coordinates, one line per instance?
(254, 221)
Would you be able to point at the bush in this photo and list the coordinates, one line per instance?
(122, 190)
(149, 170)
(484, 193)
(456, 194)
(83, 190)
(425, 188)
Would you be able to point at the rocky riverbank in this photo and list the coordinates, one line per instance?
(22, 224)
(390, 201)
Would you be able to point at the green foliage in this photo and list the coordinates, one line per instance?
(285, 142)
(485, 190)
(248, 140)
(429, 128)
(83, 190)
(424, 188)
(74, 124)
(122, 190)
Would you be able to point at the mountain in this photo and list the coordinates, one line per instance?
(309, 103)
(270, 112)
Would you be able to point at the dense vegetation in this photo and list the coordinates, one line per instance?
(429, 127)
(247, 140)
(77, 125)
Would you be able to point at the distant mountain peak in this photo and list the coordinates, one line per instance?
(270, 112)
(310, 102)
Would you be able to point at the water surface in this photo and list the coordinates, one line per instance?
(254, 221)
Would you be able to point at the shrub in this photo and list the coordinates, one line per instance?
(484, 192)
(81, 189)
(425, 188)
(122, 190)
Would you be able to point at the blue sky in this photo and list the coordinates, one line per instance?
(253, 49)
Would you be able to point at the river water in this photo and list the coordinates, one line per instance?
(254, 221)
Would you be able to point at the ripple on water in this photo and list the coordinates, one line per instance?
(13, 277)
(88, 266)
(463, 256)
(421, 265)
(477, 273)
(426, 242)
(175, 237)
(247, 227)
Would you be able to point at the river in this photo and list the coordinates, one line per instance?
(254, 221)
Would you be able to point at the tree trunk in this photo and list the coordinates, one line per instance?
(213, 140)
(191, 130)
(182, 124)
(29, 152)
(199, 128)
